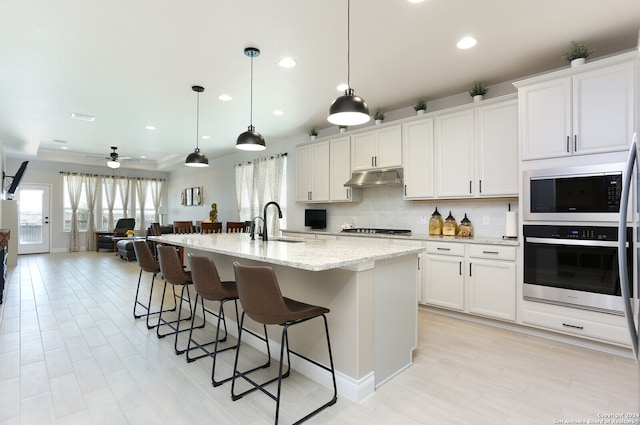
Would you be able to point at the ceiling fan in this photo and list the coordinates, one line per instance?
(114, 158)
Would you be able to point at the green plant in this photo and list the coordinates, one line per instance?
(378, 115)
(478, 90)
(578, 50)
(313, 131)
(420, 106)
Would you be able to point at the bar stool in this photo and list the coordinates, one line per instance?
(147, 264)
(174, 274)
(262, 300)
(208, 286)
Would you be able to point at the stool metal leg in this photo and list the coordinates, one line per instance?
(175, 329)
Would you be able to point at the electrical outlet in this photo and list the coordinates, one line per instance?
(486, 220)
(423, 219)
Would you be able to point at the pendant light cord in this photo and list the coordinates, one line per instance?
(251, 96)
(198, 121)
(348, 44)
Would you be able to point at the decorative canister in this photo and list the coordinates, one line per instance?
(465, 228)
(435, 223)
(450, 227)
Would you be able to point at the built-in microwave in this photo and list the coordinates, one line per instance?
(577, 194)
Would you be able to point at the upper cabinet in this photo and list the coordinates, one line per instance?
(377, 148)
(340, 171)
(417, 152)
(454, 154)
(312, 172)
(578, 111)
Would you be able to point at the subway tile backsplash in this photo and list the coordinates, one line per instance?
(385, 207)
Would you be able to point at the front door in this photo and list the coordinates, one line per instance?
(33, 216)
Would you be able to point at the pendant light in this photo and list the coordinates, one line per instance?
(348, 109)
(197, 158)
(251, 140)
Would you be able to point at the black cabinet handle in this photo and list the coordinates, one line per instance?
(480, 186)
(470, 186)
(470, 268)
(405, 190)
(460, 271)
(575, 143)
(573, 326)
(568, 137)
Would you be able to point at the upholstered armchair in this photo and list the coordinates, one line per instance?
(105, 239)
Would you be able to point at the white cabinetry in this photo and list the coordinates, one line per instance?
(312, 172)
(377, 148)
(474, 278)
(340, 171)
(443, 278)
(454, 154)
(417, 152)
(578, 111)
(491, 281)
(496, 167)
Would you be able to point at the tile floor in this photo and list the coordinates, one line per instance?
(71, 353)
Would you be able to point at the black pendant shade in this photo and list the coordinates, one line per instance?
(348, 109)
(197, 158)
(251, 140)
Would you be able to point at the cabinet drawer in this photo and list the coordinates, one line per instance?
(445, 248)
(577, 326)
(492, 252)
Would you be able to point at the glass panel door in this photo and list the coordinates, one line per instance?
(33, 216)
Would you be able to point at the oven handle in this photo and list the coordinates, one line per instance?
(575, 242)
(622, 237)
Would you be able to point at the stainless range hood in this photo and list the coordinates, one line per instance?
(376, 178)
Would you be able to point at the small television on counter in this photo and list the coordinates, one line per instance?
(15, 180)
(316, 219)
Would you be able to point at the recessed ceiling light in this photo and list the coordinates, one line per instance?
(150, 127)
(143, 156)
(225, 97)
(415, 1)
(466, 43)
(82, 117)
(64, 147)
(287, 63)
(205, 137)
(342, 87)
(278, 112)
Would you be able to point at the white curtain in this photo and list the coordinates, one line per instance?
(91, 184)
(124, 189)
(258, 182)
(141, 190)
(156, 197)
(74, 186)
(110, 194)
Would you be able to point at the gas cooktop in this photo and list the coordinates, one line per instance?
(379, 231)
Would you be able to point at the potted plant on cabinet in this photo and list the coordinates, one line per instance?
(342, 128)
(313, 132)
(578, 53)
(478, 91)
(420, 107)
(378, 117)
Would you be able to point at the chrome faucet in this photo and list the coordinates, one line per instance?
(252, 228)
(264, 218)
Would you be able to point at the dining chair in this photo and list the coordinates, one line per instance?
(211, 227)
(181, 227)
(236, 227)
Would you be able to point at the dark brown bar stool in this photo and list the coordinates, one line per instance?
(147, 264)
(208, 286)
(262, 300)
(175, 275)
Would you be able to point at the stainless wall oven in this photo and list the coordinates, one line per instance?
(575, 266)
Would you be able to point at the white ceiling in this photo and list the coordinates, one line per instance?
(132, 63)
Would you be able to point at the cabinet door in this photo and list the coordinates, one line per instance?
(603, 109)
(497, 149)
(320, 171)
(340, 169)
(454, 154)
(389, 147)
(444, 281)
(303, 173)
(363, 150)
(545, 119)
(492, 288)
(417, 151)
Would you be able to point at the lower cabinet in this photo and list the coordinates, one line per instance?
(474, 278)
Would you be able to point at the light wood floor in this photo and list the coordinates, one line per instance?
(71, 353)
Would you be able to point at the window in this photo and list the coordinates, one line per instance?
(83, 210)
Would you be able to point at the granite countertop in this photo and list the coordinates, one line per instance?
(414, 236)
(306, 254)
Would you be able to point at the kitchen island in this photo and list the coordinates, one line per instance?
(370, 289)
